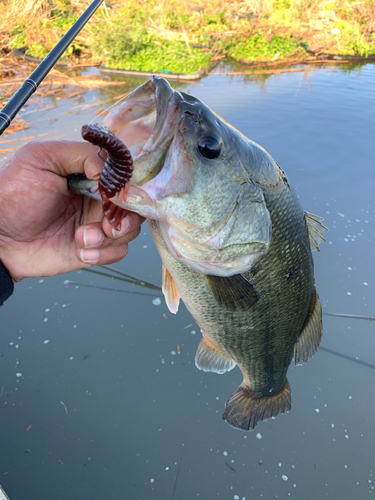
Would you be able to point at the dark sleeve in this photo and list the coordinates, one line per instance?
(6, 284)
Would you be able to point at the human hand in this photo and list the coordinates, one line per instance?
(45, 229)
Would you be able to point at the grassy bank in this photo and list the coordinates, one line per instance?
(184, 37)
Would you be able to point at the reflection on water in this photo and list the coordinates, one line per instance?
(99, 392)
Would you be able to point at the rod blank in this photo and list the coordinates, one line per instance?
(30, 85)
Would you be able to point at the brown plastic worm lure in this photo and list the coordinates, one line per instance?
(116, 173)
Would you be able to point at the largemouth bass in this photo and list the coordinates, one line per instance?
(234, 241)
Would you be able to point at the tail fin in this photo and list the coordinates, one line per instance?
(244, 409)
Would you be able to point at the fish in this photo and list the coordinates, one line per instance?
(235, 244)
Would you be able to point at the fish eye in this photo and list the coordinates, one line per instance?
(209, 147)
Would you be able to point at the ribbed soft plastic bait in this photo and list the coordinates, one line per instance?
(116, 173)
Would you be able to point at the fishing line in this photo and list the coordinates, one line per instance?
(142, 282)
(129, 279)
(68, 282)
(354, 316)
(349, 358)
(107, 110)
(322, 348)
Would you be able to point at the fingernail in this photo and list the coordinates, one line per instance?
(92, 237)
(89, 256)
(125, 224)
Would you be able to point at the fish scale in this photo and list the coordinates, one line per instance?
(268, 330)
(260, 340)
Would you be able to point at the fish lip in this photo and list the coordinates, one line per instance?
(146, 122)
(150, 161)
(156, 97)
(163, 94)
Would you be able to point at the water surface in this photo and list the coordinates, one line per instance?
(100, 397)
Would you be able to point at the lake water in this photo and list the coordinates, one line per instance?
(109, 403)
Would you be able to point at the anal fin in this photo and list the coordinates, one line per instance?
(210, 358)
(233, 292)
(311, 334)
(245, 409)
(170, 291)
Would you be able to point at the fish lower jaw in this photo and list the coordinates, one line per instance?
(138, 201)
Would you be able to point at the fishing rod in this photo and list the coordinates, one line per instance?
(30, 85)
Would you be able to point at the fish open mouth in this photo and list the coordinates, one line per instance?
(146, 123)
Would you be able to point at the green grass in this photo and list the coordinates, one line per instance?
(37, 50)
(18, 37)
(128, 46)
(352, 41)
(161, 57)
(258, 47)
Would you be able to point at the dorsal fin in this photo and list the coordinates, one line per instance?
(311, 334)
(234, 292)
(170, 291)
(315, 229)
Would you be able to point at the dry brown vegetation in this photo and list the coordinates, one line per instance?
(56, 85)
(326, 26)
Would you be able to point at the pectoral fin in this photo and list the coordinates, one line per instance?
(311, 334)
(170, 291)
(210, 358)
(234, 292)
(315, 229)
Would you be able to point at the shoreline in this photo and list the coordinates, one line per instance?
(256, 67)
